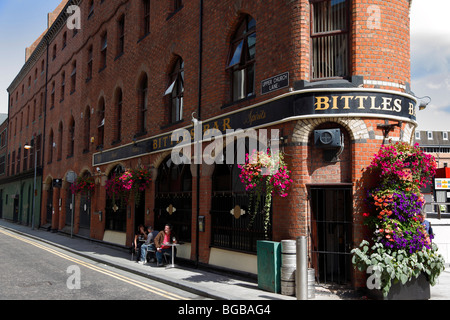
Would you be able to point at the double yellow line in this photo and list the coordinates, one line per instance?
(112, 274)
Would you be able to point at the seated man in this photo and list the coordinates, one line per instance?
(166, 236)
(149, 243)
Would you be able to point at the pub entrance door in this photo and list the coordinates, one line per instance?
(331, 234)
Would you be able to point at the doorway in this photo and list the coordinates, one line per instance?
(49, 204)
(331, 234)
(139, 209)
(1, 204)
(16, 209)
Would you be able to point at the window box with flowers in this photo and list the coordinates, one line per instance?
(265, 174)
(400, 251)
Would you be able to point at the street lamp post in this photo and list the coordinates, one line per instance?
(30, 147)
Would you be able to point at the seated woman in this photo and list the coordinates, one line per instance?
(139, 238)
(164, 237)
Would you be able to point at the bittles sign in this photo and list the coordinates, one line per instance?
(295, 105)
(372, 103)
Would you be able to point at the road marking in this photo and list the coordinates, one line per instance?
(112, 274)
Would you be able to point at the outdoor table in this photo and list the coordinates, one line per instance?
(173, 245)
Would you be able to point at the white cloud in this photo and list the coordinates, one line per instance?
(430, 17)
(430, 61)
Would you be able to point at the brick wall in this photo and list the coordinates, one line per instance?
(378, 52)
(381, 43)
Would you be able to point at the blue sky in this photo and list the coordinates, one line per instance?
(23, 21)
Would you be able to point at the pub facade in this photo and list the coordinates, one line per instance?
(128, 82)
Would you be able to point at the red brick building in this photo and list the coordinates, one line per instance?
(117, 87)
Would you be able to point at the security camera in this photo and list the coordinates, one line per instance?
(194, 120)
(98, 170)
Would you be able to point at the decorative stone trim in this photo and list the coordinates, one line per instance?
(355, 126)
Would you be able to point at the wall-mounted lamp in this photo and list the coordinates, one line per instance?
(424, 103)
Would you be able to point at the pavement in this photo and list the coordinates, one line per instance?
(202, 281)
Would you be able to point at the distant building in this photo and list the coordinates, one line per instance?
(436, 143)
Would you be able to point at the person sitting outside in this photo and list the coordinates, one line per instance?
(139, 238)
(427, 224)
(149, 244)
(164, 237)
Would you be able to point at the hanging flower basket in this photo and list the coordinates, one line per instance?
(265, 174)
(134, 180)
(403, 162)
(140, 180)
(118, 188)
(83, 184)
(400, 248)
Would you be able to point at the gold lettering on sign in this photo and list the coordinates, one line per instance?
(255, 116)
(361, 102)
(226, 124)
(346, 99)
(322, 103)
(412, 110)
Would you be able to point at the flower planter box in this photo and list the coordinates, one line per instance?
(415, 289)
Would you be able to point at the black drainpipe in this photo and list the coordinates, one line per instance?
(199, 117)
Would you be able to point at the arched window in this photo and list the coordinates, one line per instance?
(60, 140)
(241, 61)
(173, 199)
(101, 124)
(143, 105)
(175, 91)
(73, 78)
(234, 225)
(51, 141)
(87, 129)
(71, 138)
(116, 211)
(118, 116)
